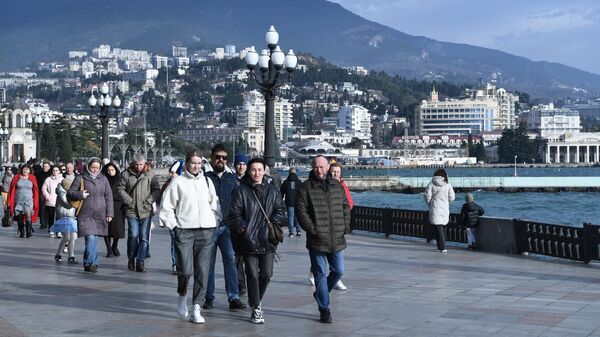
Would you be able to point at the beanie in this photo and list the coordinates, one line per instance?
(241, 158)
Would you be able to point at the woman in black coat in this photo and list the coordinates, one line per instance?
(116, 228)
(250, 202)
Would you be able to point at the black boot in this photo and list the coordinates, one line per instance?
(28, 228)
(109, 252)
(21, 229)
(115, 247)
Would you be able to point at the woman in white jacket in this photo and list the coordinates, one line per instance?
(190, 208)
(438, 196)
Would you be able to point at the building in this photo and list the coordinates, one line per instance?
(73, 54)
(581, 148)
(87, 69)
(252, 113)
(160, 61)
(102, 52)
(179, 51)
(481, 110)
(2, 96)
(355, 118)
(230, 51)
(21, 144)
(552, 123)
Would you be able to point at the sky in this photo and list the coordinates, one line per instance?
(563, 31)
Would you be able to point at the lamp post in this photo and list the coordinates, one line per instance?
(4, 135)
(104, 102)
(39, 120)
(516, 165)
(271, 64)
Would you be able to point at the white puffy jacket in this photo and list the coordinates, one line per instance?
(438, 196)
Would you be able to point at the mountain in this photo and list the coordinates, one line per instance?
(41, 30)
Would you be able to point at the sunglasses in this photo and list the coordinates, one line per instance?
(217, 157)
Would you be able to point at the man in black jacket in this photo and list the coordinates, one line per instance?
(324, 213)
(289, 189)
(469, 215)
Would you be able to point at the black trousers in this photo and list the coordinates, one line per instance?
(49, 212)
(239, 263)
(441, 237)
(259, 269)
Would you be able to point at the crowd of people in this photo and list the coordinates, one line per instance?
(207, 207)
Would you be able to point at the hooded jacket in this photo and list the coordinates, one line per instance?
(49, 189)
(438, 196)
(246, 219)
(138, 191)
(324, 213)
(470, 213)
(190, 202)
(96, 207)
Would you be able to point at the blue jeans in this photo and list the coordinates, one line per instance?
(90, 255)
(324, 284)
(222, 239)
(293, 222)
(173, 256)
(137, 239)
(470, 236)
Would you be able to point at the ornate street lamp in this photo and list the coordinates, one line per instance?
(4, 135)
(104, 103)
(39, 120)
(271, 63)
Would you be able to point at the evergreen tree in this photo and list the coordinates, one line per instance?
(48, 150)
(65, 151)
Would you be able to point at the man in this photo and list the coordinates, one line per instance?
(324, 213)
(138, 188)
(289, 189)
(240, 164)
(225, 183)
(41, 176)
(70, 171)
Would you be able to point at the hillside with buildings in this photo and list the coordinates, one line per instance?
(318, 27)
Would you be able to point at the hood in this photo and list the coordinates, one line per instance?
(292, 177)
(471, 206)
(438, 181)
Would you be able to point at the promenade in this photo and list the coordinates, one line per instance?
(396, 287)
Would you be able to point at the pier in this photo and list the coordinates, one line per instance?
(466, 184)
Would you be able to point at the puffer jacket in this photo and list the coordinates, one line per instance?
(290, 188)
(324, 213)
(138, 191)
(438, 196)
(470, 213)
(63, 207)
(247, 220)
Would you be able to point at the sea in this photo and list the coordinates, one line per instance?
(565, 208)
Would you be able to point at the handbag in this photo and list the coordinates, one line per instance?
(77, 204)
(275, 232)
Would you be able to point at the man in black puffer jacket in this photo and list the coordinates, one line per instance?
(289, 190)
(469, 217)
(324, 213)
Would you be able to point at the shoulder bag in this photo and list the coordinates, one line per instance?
(275, 232)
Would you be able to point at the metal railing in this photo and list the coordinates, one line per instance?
(574, 243)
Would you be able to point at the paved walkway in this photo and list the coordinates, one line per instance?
(395, 288)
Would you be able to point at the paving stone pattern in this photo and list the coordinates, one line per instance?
(396, 287)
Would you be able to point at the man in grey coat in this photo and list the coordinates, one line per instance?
(138, 188)
(324, 213)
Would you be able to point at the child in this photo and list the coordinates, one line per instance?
(65, 223)
(469, 215)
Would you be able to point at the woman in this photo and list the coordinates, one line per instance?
(49, 193)
(116, 228)
(253, 205)
(190, 208)
(23, 200)
(438, 196)
(96, 211)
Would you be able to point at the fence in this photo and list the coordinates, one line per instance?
(574, 243)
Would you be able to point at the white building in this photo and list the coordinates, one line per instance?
(73, 54)
(551, 123)
(87, 69)
(179, 51)
(230, 50)
(252, 114)
(355, 118)
(182, 62)
(20, 145)
(74, 66)
(160, 61)
(581, 148)
(102, 52)
(113, 67)
(482, 110)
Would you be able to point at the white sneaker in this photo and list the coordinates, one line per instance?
(66, 248)
(340, 286)
(444, 251)
(182, 308)
(257, 316)
(51, 234)
(311, 278)
(59, 235)
(195, 316)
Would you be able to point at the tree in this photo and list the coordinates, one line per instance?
(65, 150)
(516, 142)
(48, 149)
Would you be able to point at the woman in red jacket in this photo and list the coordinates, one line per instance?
(23, 200)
